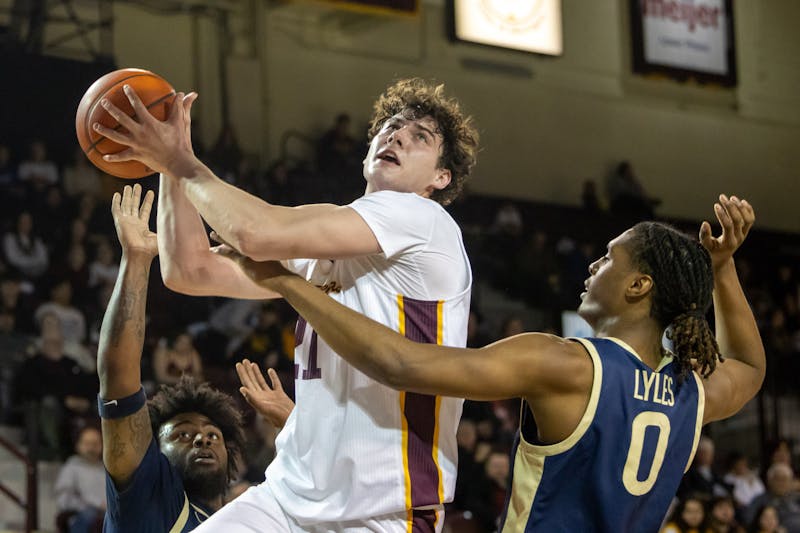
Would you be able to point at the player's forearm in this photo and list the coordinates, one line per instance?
(736, 329)
(119, 353)
(374, 349)
(183, 245)
(244, 221)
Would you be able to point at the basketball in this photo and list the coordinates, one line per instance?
(155, 93)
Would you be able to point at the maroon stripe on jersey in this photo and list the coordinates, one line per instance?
(420, 410)
(423, 521)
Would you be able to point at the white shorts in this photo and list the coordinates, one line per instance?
(257, 510)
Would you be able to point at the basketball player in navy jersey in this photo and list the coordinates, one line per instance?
(388, 459)
(610, 423)
(169, 461)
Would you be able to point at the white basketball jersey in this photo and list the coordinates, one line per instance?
(353, 448)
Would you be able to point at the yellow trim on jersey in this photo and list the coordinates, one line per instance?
(180, 523)
(401, 328)
(588, 414)
(439, 322)
(528, 471)
(401, 316)
(698, 426)
(406, 472)
(199, 512)
(529, 459)
(435, 444)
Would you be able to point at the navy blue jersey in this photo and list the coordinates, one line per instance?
(620, 468)
(153, 501)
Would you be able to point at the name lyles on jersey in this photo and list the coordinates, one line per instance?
(653, 387)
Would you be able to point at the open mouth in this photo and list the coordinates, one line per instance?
(204, 458)
(389, 157)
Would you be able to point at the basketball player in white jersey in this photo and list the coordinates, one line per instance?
(354, 455)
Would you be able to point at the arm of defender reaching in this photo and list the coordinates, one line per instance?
(531, 365)
(739, 378)
(119, 356)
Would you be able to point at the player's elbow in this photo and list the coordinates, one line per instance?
(248, 241)
(182, 280)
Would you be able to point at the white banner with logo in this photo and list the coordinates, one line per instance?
(686, 34)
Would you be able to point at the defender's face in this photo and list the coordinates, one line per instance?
(608, 278)
(192, 443)
(404, 157)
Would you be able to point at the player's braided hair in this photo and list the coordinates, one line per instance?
(683, 283)
(418, 98)
(188, 396)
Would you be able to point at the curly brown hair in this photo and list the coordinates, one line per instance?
(189, 396)
(682, 293)
(459, 135)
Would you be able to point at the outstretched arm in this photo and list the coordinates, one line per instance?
(253, 226)
(739, 378)
(119, 356)
(529, 365)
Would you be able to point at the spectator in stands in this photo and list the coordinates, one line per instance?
(37, 171)
(722, 516)
(226, 154)
(265, 342)
(338, 157)
(24, 250)
(589, 199)
(476, 335)
(80, 487)
(14, 346)
(626, 195)
(689, 516)
(701, 479)
(81, 177)
(744, 480)
(104, 268)
(537, 272)
(337, 150)
(8, 174)
(15, 302)
(53, 217)
(175, 358)
(73, 322)
(74, 267)
(56, 392)
(780, 451)
(767, 521)
(12, 193)
(470, 474)
(779, 495)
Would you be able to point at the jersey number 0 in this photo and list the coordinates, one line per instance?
(630, 473)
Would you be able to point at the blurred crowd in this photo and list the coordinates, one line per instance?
(58, 265)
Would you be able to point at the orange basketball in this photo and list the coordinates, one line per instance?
(155, 93)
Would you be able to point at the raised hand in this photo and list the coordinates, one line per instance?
(162, 146)
(736, 218)
(270, 402)
(131, 218)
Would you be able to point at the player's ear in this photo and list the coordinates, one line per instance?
(442, 179)
(640, 286)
